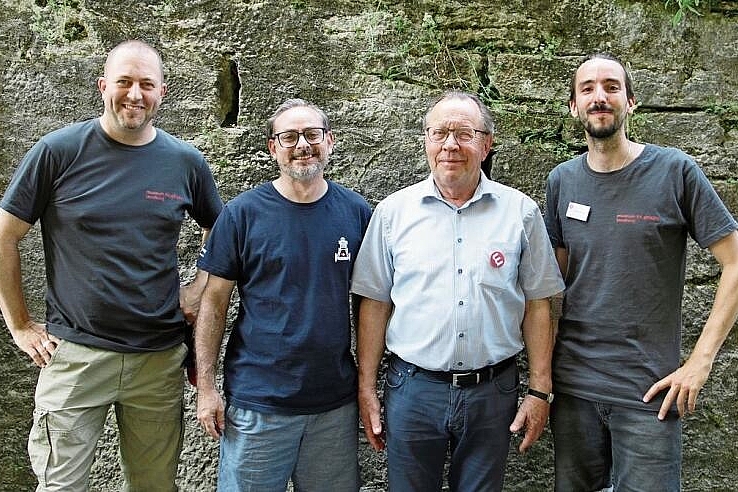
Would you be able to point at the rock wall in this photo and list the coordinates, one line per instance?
(373, 65)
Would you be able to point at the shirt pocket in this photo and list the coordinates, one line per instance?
(498, 265)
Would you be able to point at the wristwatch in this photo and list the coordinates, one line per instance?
(547, 397)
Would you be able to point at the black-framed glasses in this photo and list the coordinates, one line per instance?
(291, 137)
(463, 134)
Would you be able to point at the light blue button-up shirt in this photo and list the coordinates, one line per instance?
(458, 276)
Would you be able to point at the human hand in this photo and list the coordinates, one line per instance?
(189, 301)
(532, 416)
(684, 386)
(369, 411)
(34, 340)
(210, 411)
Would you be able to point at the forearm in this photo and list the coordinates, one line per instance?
(198, 283)
(722, 316)
(210, 329)
(372, 328)
(725, 306)
(201, 277)
(538, 338)
(12, 302)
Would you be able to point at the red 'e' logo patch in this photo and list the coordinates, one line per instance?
(497, 259)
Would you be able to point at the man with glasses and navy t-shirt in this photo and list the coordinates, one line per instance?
(289, 376)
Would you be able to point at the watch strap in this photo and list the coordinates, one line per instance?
(547, 397)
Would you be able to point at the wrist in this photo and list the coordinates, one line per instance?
(542, 395)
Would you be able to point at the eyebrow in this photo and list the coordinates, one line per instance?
(130, 77)
(592, 81)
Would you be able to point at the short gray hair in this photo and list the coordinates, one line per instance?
(295, 103)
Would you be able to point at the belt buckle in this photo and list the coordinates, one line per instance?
(459, 383)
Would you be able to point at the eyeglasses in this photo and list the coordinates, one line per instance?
(462, 134)
(291, 137)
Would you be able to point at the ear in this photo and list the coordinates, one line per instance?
(272, 148)
(632, 105)
(329, 139)
(573, 107)
(164, 89)
(489, 141)
(101, 84)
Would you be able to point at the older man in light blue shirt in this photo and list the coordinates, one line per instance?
(455, 273)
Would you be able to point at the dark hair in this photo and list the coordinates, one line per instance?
(605, 56)
(487, 120)
(295, 103)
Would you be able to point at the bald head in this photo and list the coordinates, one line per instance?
(136, 47)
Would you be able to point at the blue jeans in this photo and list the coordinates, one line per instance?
(425, 418)
(600, 445)
(260, 452)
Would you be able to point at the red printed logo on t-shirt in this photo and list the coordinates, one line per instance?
(497, 259)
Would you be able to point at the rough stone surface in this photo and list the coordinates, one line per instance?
(373, 66)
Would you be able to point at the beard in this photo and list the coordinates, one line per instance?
(133, 124)
(128, 121)
(606, 131)
(304, 173)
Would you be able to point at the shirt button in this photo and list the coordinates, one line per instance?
(461, 303)
(461, 335)
(459, 364)
(458, 240)
(459, 271)
(458, 212)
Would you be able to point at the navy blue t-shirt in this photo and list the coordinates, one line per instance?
(290, 347)
(110, 219)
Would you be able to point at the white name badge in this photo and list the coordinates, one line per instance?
(578, 211)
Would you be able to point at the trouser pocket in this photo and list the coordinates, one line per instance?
(39, 445)
(62, 446)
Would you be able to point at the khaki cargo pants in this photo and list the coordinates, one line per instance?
(73, 395)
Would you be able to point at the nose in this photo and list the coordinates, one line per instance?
(134, 92)
(600, 93)
(450, 141)
(301, 141)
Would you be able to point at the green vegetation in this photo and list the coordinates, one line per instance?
(56, 22)
(549, 47)
(728, 114)
(683, 7)
(636, 124)
(413, 47)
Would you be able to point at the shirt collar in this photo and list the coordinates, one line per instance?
(485, 188)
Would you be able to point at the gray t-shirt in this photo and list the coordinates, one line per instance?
(621, 325)
(110, 220)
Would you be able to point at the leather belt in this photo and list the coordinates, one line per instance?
(464, 379)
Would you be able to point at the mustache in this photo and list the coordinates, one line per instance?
(302, 153)
(599, 107)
